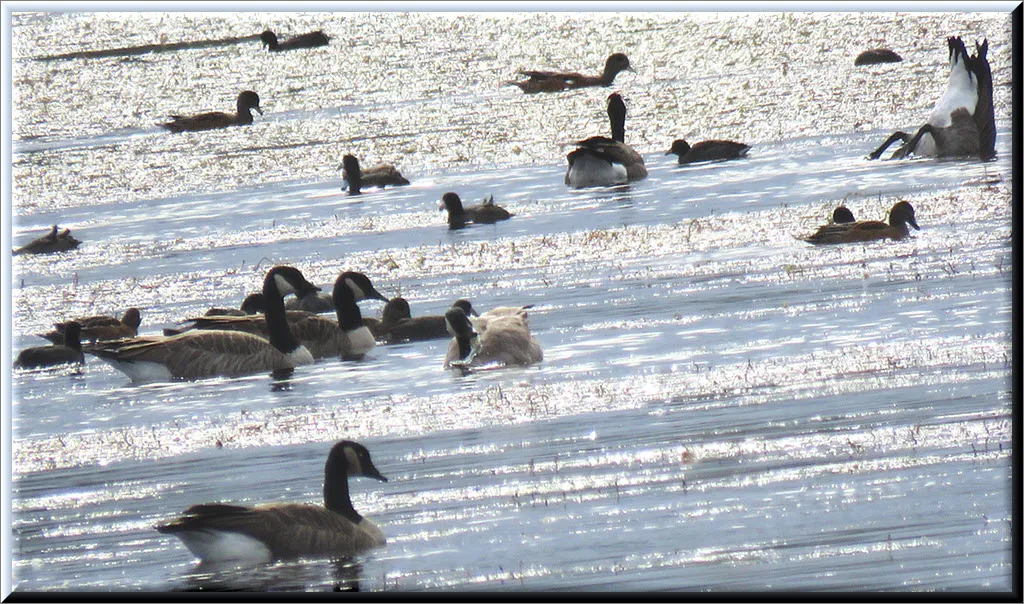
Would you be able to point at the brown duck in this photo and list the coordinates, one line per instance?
(901, 215)
(555, 81)
(247, 101)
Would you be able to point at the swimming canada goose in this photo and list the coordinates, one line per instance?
(554, 81)
(49, 243)
(503, 340)
(324, 302)
(100, 327)
(842, 215)
(251, 305)
(480, 321)
(307, 40)
(962, 124)
(347, 337)
(485, 212)
(247, 101)
(877, 55)
(205, 353)
(380, 175)
(900, 216)
(712, 150)
(219, 532)
(398, 325)
(599, 161)
(69, 351)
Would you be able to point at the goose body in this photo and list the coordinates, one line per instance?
(312, 39)
(601, 161)
(710, 150)
(100, 328)
(220, 532)
(381, 175)
(486, 212)
(49, 243)
(962, 123)
(499, 341)
(246, 102)
(901, 215)
(556, 81)
(69, 351)
(206, 353)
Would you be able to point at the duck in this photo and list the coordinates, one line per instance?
(485, 212)
(710, 150)
(381, 175)
(50, 243)
(599, 161)
(877, 55)
(251, 305)
(901, 215)
(312, 39)
(842, 215)
(962, 123)
(199, 354)
(324, 302)
(99, 328)
(554, 81)
(500, 341)
(398, 325)
(247, 101)
(69, 351)
(219, 532)
(323, 337)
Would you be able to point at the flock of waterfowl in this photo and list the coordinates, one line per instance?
(273, 331)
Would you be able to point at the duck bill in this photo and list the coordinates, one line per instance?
(913, 223)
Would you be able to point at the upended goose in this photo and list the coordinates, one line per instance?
(381, 175)
(312, 39)
(901, 214)
(218, 532)
(556, 81)
(206, 353)
(68, 351)
(246, 102)
(347, 337)
(99, 328)
(500, 340)
(962, 124)
(599, 161)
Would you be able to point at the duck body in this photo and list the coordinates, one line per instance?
(875, 56)
(51, 243)
(398, 325)
(486, 212)
(206, 353)
(901, 215)
(100, 328)
(246, 102)
(710, 150)
(69, 351)
(602, 161)
(380, 176)
(499, 341)
(555, 81)
(218, 532)
(312, 39)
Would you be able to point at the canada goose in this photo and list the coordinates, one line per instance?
(307, 40)
(247, 101)
(398, 324)
(502, 340)
(324, 302)
(485, 212)
(218, 532)
(554, 81)
(877, 55)
(49, 243)
(100, 327)
(599, 161)
(962, 124)
(842, 215)
(347, 337)
(712, 150)
(380, 175)
(70, 351)
(205, 353)
(480, 321)
(900, 216)
(251, 305)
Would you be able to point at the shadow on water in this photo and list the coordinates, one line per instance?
(341, 575)
(147, 48)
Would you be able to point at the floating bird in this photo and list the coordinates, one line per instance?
(100, 327)
(712, 150)
(205, 353)
(251, 305)
(877, 55)
(49, 243)
(69, 351)
(962, 124)
(218, 532)
(503, 340)
(485, 212)
(900, 216)
(308, 40)
(599, 161)
(247, 101)
(554, 81)
(381, 175)
(398, 325)
(324, 302)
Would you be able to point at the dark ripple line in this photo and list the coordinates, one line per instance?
(148, 48)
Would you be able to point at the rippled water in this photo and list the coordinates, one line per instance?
(721, 406)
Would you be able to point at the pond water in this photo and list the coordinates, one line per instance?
(721, 406)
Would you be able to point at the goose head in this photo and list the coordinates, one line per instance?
(451, 202)
(283, 280)
(614, 64)
(347, 458)
(901, 214)
(248, 100)
(679, 147)
(352, 174)
(360, 286)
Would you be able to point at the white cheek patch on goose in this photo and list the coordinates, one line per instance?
(283, 285)
(355, 467)
(356, 290)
